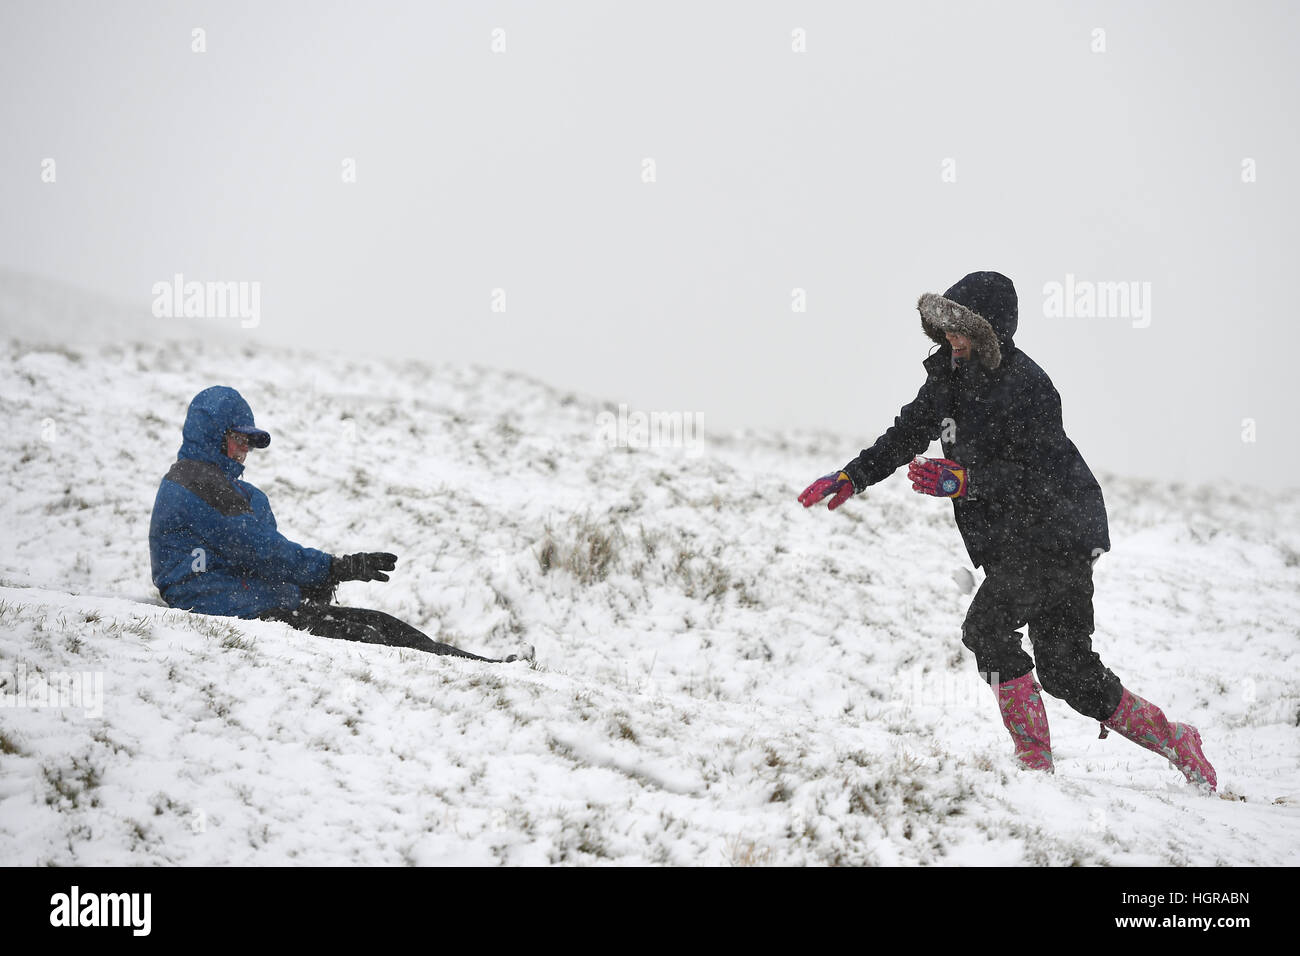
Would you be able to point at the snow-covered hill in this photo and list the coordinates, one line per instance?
(721, 678)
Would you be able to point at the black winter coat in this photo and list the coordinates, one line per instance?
(998, 415)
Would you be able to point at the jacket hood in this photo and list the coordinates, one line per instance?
(982, 307)
(212, 413)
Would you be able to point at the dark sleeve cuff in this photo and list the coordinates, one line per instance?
(856, 475)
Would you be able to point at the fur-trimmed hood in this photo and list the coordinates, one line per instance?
(982, 307)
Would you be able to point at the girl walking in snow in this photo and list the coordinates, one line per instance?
(1029, 511)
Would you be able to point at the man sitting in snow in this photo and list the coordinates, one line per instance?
(214, 547)
(1029, 510)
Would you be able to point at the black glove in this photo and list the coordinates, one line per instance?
(321, 593)
(367, 566)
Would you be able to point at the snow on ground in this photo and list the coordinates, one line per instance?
(721, 677)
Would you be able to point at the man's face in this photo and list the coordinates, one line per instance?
(960, 345)
(237, 446)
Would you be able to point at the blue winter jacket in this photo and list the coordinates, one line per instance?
(213, 544)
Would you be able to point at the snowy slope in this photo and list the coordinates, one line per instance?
(722, 677)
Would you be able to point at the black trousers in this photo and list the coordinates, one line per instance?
(1052, 593)
(362, 624)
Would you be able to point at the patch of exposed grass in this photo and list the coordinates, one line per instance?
(8, 745)
(587, 548)
(624, 728)
(138, 626)
(740, 852)
(72, 786)
(237, 642)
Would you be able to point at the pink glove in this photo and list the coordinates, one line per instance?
(941, 477)
(840, 484)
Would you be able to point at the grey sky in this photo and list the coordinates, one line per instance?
(774, 170)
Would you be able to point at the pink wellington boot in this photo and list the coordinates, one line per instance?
(1146, 725)
(1021, 704)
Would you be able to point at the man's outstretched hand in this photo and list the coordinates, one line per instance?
(367, 566)
(941, 477)
(839, 485)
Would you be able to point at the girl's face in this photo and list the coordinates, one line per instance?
(960, 345)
